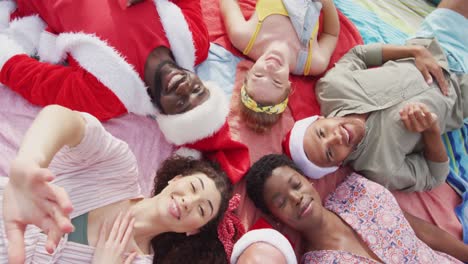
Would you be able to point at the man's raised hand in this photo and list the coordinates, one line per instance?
(417, 118)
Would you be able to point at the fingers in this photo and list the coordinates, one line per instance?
(427, 76)
(61, 221)
(130, 258)
(43, 175)
(102, 234)
(50, 228)
(115, 228)
(53, 238)
(439, 75)
(125, 228)
(62, 199)
(417, 117)
(128, 232)
(15, 236)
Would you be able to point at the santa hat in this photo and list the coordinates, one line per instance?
(200, 122)
(293, 145)
(6, 8)
(232, 155)
(266, 235)
(9, 48)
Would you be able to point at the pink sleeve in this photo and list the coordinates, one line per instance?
(98, 146)
(193, 14)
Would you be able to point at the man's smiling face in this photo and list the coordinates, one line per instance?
(177, 90)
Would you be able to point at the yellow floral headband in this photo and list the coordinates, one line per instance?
(256, 107)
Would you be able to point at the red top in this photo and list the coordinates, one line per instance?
(134, 31)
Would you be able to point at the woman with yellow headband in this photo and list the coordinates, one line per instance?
(281, 36)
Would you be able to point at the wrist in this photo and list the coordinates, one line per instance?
(415, 50)
(30, 160)
(434, 130)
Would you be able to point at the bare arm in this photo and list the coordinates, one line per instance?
(434, 149)
(30, 197)
(331, 23)
(236, 25)
(395, 52)
(437, 238)
(54, 127)
(326, 42)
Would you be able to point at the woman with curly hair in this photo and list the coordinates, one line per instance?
(71, 178)
(360, 222)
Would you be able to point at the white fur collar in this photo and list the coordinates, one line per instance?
(178, 33)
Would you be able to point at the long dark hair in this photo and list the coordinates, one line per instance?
(204, 247)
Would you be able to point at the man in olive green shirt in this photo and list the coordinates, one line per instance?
(386, 121)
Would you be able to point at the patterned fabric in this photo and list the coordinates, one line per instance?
(258, 108)
(372, 211)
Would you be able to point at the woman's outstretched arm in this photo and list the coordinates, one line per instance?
(54, 127)
(29, 197)
(437, 238)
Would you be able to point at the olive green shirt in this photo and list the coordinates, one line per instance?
(389, 154)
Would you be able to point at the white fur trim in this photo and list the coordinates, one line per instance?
(266, 235)
(48, 49)
(6, 8)
(26, 31)
(296, 147)
(178, 33)
(200, 122)
(188, 152)
(8, 49)
(105, 63)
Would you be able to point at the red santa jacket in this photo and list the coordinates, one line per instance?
(106, 62)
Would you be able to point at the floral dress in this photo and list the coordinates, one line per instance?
(374, 214)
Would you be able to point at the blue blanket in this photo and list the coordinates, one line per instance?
(220, 67)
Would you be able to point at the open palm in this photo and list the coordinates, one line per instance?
(30, 198)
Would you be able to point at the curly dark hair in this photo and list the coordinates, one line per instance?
(259, 174)
(204, 247)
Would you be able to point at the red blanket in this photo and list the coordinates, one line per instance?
(435, 206)
(302, 102)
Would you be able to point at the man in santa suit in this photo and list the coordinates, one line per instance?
(105, 59)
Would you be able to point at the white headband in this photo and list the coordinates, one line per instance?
(296, 148)
(266, 235)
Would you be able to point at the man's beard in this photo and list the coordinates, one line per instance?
(158, 86)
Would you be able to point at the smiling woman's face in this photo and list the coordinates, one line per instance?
(268, 80)
(291, 198)
(189, 202)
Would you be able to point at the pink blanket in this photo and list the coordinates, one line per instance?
(146, 142)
